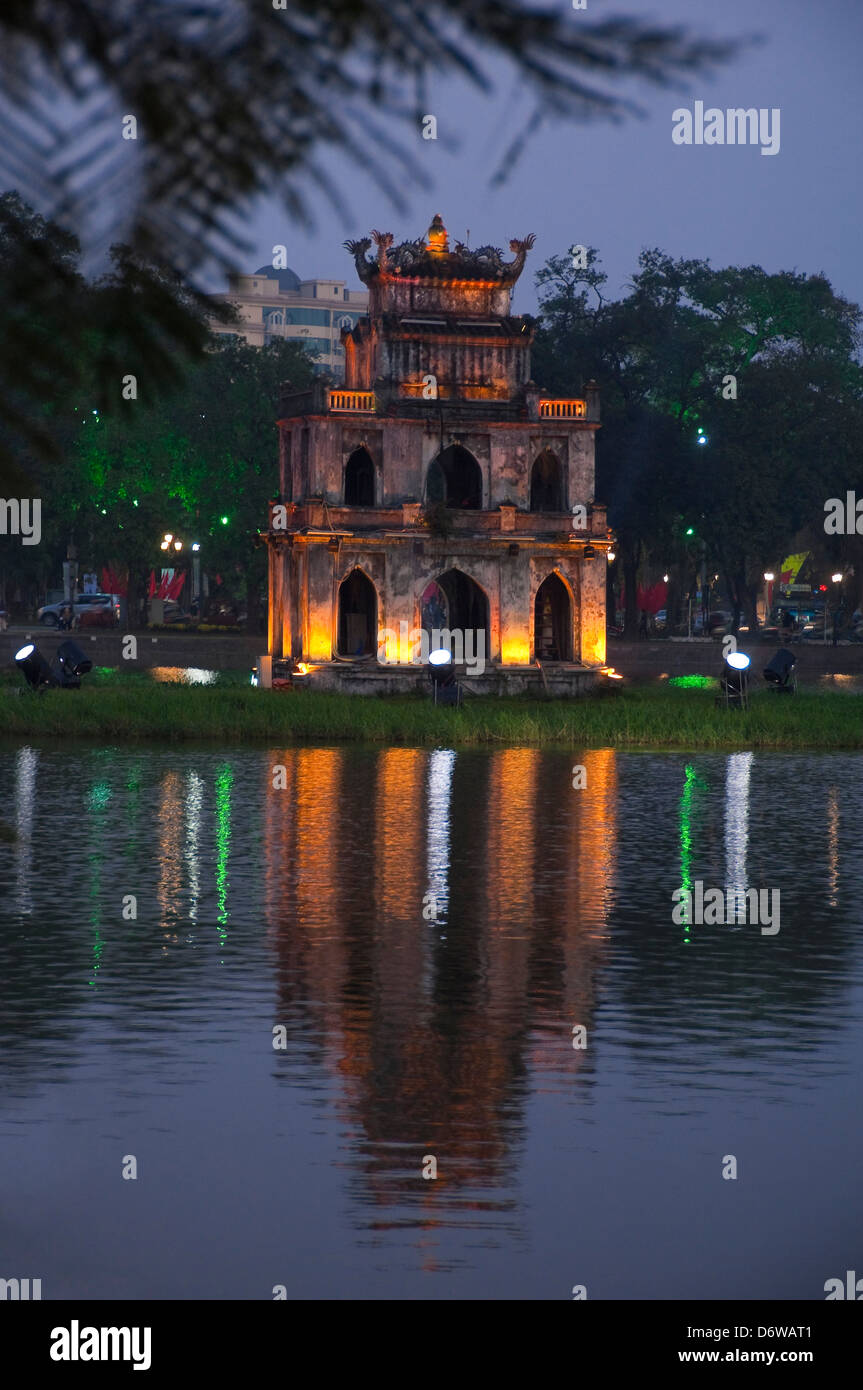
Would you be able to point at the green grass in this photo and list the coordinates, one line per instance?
(131, 706)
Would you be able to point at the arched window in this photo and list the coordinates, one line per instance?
(455, 478)
(546, 483)
(552, 621)
(360, 479)
(358, 615)
(456, 602)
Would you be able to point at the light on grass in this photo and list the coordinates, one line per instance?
(33, 667)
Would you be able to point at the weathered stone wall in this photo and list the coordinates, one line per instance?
(402, 450)
(438, 297)
(309, 582)
(593, 591)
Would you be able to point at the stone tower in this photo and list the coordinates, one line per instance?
(440, 489)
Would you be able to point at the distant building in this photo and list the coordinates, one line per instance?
(278, 304)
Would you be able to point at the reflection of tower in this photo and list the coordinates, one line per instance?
(426, 1025)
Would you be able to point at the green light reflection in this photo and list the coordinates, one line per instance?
(224, 782)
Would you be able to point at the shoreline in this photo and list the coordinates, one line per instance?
(670, 719)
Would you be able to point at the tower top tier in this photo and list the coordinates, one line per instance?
(441, 276)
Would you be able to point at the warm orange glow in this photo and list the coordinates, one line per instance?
(593, 644)
(514, 649)
(302, 668)
(563, 409)
(363, 401)
(320, 642)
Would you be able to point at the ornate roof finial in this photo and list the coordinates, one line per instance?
(438, 241)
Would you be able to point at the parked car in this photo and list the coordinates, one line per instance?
(717, 620)
(107, 606)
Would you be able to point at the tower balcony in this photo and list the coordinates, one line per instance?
(467, 402)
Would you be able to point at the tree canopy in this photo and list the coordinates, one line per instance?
(762, 368)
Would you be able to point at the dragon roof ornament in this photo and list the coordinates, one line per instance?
(429, 258)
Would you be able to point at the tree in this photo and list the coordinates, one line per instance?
(184, 462)
(180, 112)
(665, 358)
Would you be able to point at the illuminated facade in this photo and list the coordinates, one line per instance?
(438, 489)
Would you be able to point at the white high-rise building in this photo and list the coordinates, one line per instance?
(278, 304)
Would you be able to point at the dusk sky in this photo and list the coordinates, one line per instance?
(625, 187)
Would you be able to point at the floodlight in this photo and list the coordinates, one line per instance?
(734, 682)
(33, 667)
(442, 676)
(779, 671)
(72, 664)
(837, 578)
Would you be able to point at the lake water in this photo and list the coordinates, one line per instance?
(427, 928)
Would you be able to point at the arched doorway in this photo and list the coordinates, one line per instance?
(552, 621)
(358, 615)
(456, 602)
(360, 479)
(455, 479)
(546, 483)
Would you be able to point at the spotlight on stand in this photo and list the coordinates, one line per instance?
(779, 673)
(72, 664)
(33, 667)
(445, 688)
(734, 682)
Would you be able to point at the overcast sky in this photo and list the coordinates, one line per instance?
(622, 188)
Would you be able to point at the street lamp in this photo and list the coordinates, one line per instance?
(769, 577)
(196, 573)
